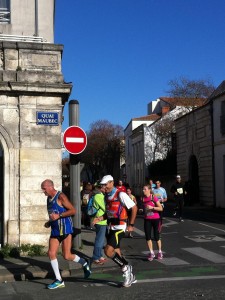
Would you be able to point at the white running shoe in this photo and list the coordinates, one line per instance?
(129, 277)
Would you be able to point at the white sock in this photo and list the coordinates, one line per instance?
(55, 267)
(124, 269)
(76, 258)
(79, 260)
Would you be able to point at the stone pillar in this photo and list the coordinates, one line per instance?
(31, 81)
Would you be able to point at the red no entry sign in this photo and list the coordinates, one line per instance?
(75, 139)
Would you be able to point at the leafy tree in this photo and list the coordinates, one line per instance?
(104, 149)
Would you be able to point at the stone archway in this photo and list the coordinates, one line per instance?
(8, 189)
(193, 182)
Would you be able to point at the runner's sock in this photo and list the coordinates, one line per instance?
(79, 260)
(119, 260)
(55, 267)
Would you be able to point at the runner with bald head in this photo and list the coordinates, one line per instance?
(60, 210)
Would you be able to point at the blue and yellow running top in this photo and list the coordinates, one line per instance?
(61, 226)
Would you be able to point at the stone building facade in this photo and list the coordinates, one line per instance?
(31, 87)
(217, 100)
(195, 154)
(32, 97)
(201, 150)
(27, 19)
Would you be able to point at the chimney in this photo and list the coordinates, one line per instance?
(165, 110)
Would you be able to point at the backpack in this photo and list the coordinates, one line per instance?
(91, 210)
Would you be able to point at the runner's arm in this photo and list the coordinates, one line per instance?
(70, 210)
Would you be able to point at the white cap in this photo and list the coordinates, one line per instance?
(106, 179)
(178, 176)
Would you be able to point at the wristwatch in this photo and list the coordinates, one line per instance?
(132, 225)
(60, 215)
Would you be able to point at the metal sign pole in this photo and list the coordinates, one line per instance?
(75, 175)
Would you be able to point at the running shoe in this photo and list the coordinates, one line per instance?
(87, 270)
(151, 256)
(160, 255)
(98, 262)
(56, 284)
(181, 220)
(174, 213)
(103, 259)
(129, 277)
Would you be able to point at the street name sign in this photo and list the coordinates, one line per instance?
(47, 118)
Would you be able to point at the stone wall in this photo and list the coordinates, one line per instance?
(194, 138)
(219, 149)
(30, 81)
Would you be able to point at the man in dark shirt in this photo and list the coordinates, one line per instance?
(178, 190)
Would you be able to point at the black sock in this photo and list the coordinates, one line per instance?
(119, 260)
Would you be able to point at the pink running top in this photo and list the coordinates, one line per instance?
(150, 214)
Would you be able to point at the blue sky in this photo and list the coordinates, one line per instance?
(121, 54)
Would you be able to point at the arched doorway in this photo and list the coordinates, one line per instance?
(193, 182)
(1, 195)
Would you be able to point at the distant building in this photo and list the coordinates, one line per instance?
(142, 143)
(201, 150)
(22, 20)
(136, 176)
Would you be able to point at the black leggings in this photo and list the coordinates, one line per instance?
(148, 225)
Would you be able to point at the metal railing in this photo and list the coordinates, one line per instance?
(22, 38)
(4, 16)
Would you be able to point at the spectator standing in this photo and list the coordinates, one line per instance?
(133, 198)
(179, 192)
(152, 207)
(85, 196)
(152, 184)
(60, 211)
(100, 226)
(161, 194)
(121, 187)
(117, 204)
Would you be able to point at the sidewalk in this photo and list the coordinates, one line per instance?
(13, 269)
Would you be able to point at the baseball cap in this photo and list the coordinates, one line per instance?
(178, 176)
(106, 179)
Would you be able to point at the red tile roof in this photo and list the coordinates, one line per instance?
(176, 101)
(152, 117)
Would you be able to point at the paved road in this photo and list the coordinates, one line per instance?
(192, 268)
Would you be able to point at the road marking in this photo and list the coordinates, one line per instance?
(181, 278)
(200, 231)
(208, 255)
(138, 231)
(173, 261)
(74, 140)
(212, 227)
(165, 279)
(169, 223)
(205, 238)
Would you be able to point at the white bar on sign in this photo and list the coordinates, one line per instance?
(74, 140)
